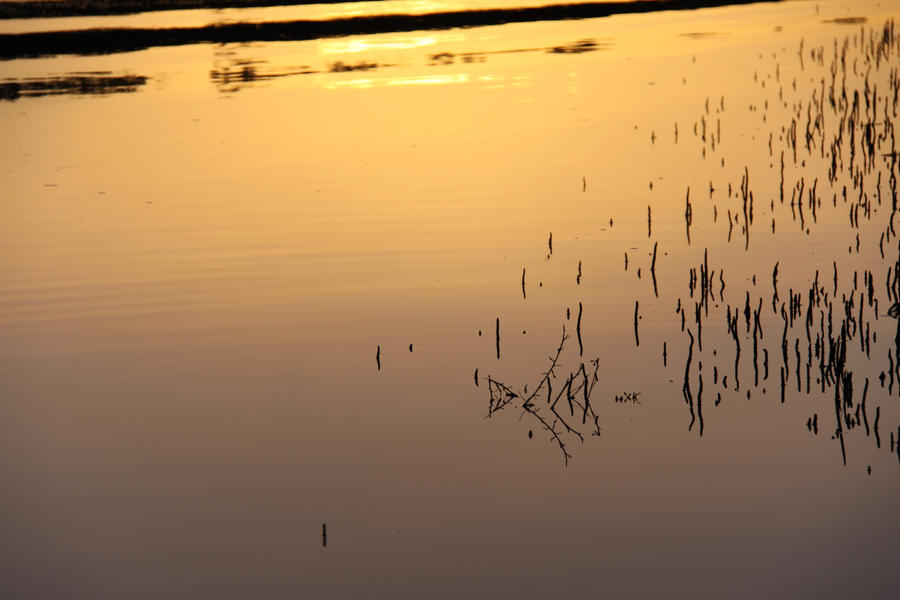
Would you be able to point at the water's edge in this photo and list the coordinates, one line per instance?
(114, 40)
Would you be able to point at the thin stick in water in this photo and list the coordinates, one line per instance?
(637, 340)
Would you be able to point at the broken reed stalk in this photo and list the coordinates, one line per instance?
(637, 340)
(578, 331)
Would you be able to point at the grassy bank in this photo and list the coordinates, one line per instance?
(27, 9)
(105, 41)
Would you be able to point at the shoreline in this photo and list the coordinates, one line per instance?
(42, 9)
(110, 41)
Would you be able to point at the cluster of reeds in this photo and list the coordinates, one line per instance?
(844, 125)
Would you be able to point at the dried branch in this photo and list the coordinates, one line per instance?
(577, 393)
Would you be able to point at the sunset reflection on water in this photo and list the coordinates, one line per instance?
(267, 286)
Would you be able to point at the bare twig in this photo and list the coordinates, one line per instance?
(576, 391)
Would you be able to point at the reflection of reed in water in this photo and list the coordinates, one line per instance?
(95, 83)
(843, 127)
(578, 47)
(541, 403)
(239, 73)
(842, 320)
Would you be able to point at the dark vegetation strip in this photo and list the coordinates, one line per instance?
(30, 9)
(108, 41)
(82, 84)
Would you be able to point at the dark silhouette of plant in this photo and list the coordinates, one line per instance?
(544, 406)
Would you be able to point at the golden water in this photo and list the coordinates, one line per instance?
(195, 277)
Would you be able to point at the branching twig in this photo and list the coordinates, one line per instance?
(577, 392)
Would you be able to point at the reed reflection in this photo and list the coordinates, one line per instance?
(820, 329)
(231, 72)
(541, 403)
(235, 74)
(76, 84)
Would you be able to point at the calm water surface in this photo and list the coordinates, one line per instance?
(244, 291)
